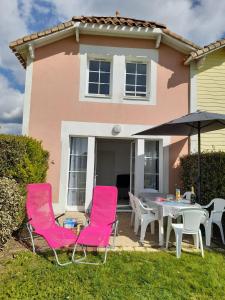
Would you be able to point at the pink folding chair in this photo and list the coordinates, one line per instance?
(102, 222)
(41, 219)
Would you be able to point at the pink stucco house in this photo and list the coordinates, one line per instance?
(91, 84)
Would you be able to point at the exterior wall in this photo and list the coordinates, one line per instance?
(55, 97)
(211, 95)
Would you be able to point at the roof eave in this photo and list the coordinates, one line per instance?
(102, 29)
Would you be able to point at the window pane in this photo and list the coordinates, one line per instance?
(104, 77)
(140, 88)
(93, 88)
(76, 197)
(104, 89)
(140, 94)
(141, 80)
(151, 165)
(130, 93)
(77, 180)
(151, 181)
(141, 68)
(105, 66)
(94, 65)
(130, 68)
(93, 77)
(78, 163)
(78, 146)
(152, 149)
(130, 79)
(130, 88)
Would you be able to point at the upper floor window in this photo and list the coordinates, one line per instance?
(99, 77)
(136, 74)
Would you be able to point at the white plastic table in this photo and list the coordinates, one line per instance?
(165, 209)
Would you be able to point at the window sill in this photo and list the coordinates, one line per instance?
(131, 98)
(98, 96)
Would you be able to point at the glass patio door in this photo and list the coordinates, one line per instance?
(77, 172)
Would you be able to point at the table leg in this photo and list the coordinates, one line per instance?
(161, 232)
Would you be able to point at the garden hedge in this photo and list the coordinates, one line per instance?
(212, 174)
(23, 159)
(12, 208)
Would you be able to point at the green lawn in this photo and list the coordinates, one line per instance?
(125, 276)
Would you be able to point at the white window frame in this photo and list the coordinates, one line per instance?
(148, 79)
(118, 57)
(102, 58)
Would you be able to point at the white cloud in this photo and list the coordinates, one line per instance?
(10, 103)
(12, 26)
(10, 128)
(202, 23)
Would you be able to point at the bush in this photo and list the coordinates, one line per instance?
(23, 159)
(12, 208)
(212, 174)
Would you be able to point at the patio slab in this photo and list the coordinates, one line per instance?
(126, 239)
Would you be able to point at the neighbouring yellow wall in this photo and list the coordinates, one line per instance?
(211, 95)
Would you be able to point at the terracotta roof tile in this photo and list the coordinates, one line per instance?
(116, 20)
(205, 50)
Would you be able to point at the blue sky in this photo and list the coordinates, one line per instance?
(199, 20)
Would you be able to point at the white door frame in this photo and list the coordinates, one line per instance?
(105, 130)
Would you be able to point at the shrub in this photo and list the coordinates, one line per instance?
(212, 174)
(23, 159)
(12, 208)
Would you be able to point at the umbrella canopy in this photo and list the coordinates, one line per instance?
(191, 124)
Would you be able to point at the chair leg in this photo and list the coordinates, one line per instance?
(178, 244)
(153, 227)
(208, 234)
(221, 231)
(58, 262)
(196, 240)
(115, 233)
(144, 225)
(136, 224)
(168, 231)
(80, 260)
(200, 242)
(31, 237)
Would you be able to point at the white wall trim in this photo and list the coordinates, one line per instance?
(92, 130)
(27, 96)
(193, 100)
(118, 57)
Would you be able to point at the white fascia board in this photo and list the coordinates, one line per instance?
(176, 44)
(123, 31)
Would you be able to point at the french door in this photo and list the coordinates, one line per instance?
(81, 173)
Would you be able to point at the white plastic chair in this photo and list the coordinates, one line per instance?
(132, 204)
(192, 219)
(216, 218)
(143, 216)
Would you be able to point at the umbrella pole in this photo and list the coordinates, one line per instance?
(199, 162)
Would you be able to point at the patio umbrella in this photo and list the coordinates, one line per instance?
(188, 125)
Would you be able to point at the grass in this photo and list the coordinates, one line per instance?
(125, 276)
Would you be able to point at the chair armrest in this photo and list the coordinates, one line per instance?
(57, 218)
(206, 206)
